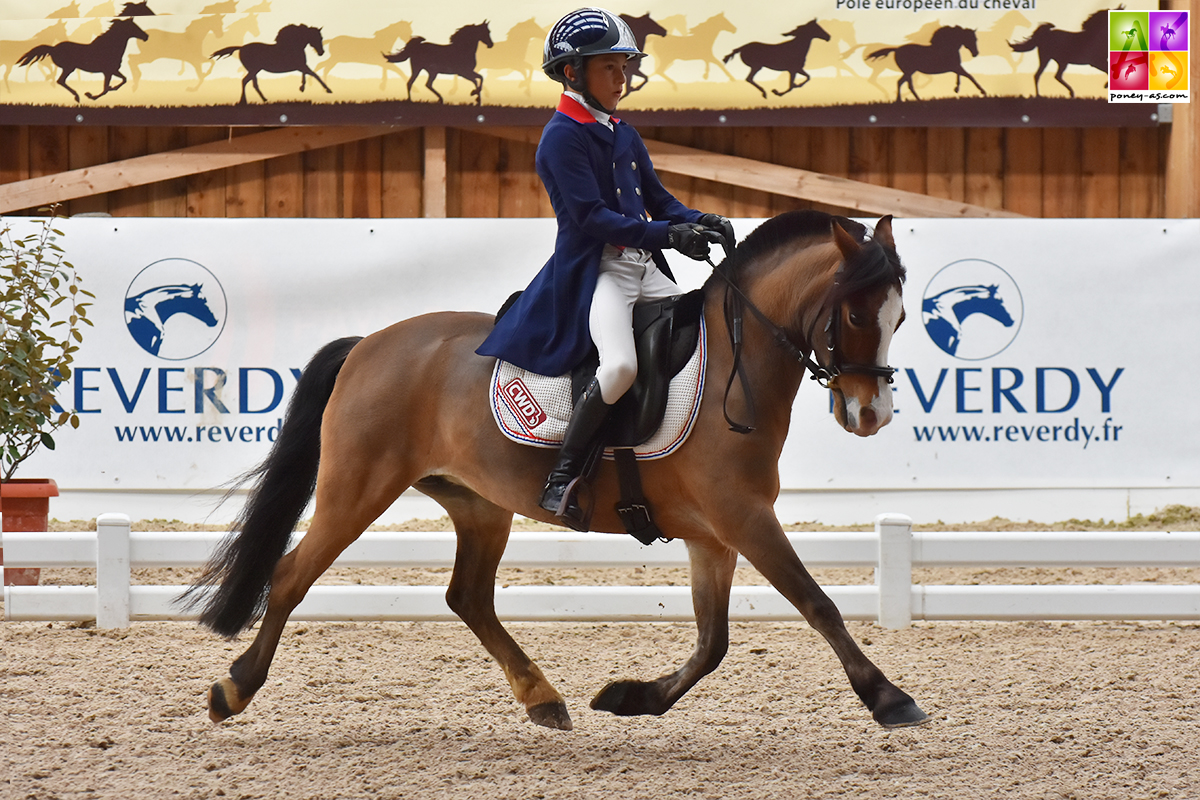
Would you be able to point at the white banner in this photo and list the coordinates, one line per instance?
(1036, 354)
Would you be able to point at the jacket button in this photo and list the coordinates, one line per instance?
(618, 191)
(638, 189)
(633, 164)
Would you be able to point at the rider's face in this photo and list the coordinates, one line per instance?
(604, 76)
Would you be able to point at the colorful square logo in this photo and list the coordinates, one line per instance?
(1148, 56)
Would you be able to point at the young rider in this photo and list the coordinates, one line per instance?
(614, 219)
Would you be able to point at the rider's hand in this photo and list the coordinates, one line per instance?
(689, 239)
(721, 225)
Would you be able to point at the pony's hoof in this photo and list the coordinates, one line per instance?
(551, 715)
(903, 714)
(627, 699)
(224, 700)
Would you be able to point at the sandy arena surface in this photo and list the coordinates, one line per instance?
(1084, 710)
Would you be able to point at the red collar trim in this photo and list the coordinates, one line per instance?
(576, 111)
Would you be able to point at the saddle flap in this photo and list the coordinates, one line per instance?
(666, 333)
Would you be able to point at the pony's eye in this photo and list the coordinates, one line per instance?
(856, 319)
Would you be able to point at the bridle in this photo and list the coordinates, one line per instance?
(825, 374)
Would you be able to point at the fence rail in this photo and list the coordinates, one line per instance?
(892, 549)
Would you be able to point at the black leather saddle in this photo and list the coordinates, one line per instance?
(665, 334)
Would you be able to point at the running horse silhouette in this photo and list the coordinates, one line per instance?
(940, 55)
(512, 53)
(409, 406)
(696, 45)
(287, 54)
(184, 46)
(455, 58)
(642, 27)
(10, 50)
(943, 314)
(1087, 46)
(366, 49)
(103, 55)
(786, 57)
(146, 314)
(878, 66)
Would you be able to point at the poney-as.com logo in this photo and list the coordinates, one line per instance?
(972, 309)
(175, 309)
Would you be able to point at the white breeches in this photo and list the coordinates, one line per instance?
(627, 277)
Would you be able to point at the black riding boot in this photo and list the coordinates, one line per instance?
(587, 419)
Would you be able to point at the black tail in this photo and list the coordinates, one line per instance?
(240, 571)
(36, 54)
(1033, 40)
(886, 51)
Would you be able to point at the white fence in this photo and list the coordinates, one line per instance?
(892, 549)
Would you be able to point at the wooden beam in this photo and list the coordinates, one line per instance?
(1182, 190)
(434, 194)
(192, 160)
(789, 181)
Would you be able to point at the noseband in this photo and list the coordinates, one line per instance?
(824, 374)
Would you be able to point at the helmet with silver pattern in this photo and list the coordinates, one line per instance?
(585, 32)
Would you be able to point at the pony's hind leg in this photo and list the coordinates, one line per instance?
(712, 578)
(483, 529)
(347, 502)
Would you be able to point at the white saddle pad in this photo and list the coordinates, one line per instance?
(534, 409)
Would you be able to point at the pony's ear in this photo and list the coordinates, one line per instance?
(883, 232)
(845, 242)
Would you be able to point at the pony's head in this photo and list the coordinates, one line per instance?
(125, 26)
(136, 10)
(480, 32)
(809, 30)
(866, 306)
(956, 37)
(831, 288)
(718, 23)
(527, 29)
(643, 26)
(301, 36)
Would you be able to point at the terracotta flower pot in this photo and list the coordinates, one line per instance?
(25, 506)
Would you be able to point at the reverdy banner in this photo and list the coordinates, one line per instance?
(1036, 353)
(825, 62)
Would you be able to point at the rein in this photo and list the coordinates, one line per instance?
(825, 375)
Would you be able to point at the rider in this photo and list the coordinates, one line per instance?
(614, 219)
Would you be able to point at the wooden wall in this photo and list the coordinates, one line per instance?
(1052, 172)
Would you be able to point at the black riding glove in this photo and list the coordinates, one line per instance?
(689, 239)
(721, 225)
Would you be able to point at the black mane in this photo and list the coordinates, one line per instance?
(874, 265)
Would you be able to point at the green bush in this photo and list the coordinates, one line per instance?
(42, 309)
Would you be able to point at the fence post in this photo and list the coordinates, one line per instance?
(893, 575)
(112, 571)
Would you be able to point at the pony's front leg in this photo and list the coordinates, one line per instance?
(316, 78)
(712, 578)
(767, 548)
(482, 529)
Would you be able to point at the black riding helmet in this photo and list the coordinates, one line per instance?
(582, 33)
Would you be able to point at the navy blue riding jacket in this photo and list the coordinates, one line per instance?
(604, 191)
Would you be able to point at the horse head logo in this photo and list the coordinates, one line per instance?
(175, 309)
(972, 309)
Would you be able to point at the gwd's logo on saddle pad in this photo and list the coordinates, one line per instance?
(520, 401)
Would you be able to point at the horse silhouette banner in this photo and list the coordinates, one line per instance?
(833, 62)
